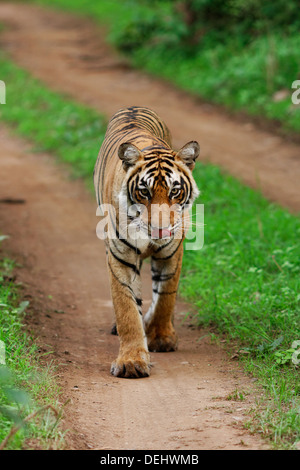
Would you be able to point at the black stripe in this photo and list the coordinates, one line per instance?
(129, 265)
(163, 157)
(163, 277)
(136, 299)
(166, 161)
(149, 164)
(164, 246)
(120, 282)
(165, 293)
(133, 176)
(170, 256)
(115, 245)
(123, 240)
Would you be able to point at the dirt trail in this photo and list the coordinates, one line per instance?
(183, 404)
(70, 55)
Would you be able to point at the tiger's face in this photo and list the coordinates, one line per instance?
(159, 188)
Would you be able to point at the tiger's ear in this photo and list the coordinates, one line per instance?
(129, 154)
(189, 153)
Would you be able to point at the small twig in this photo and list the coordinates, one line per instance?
(32, 415)
(233, 274)
(260, 227)
(279, 267)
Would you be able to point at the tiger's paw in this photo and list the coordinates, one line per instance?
(163, 342)
(134, 366)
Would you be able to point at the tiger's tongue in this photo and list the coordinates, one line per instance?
(160, 233)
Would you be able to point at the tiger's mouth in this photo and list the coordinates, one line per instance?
(161, 233)
(138, 228)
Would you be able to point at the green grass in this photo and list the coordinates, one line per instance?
(243, 78)
(248, 83)
(245, 280)
(26, 386)
(252, 253)
(54, 123)
(245, 284)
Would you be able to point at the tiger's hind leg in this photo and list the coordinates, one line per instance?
(133, 360)
(158, 320)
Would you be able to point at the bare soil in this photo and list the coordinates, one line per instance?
(184, 403)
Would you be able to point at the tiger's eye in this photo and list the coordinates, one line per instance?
(174, 192)
(144, 192)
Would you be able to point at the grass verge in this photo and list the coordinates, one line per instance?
(245, 284)
(245, 280)
(54, 123)
(29, 410)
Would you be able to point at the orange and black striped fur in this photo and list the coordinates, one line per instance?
(138, 174)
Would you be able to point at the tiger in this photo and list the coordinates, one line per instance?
(140, 177)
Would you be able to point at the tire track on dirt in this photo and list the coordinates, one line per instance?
(70, 55)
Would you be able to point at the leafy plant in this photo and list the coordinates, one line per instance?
(22, 382)
(18, 406)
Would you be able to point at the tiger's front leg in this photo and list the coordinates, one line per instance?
(133, 359)
(158, 320)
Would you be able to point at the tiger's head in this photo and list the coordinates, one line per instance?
(158, 188)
